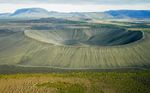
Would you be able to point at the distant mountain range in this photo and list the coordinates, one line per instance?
(112, 14)
(129, 13)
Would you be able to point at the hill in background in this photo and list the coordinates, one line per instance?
(112, 14)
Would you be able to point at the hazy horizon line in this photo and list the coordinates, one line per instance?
(10, 8)
(76, 11)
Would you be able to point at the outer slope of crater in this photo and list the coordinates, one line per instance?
(18, 49)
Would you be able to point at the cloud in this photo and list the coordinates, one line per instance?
(75, 5)
(72, 8)
(110, 2)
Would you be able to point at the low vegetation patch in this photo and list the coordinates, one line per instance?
(64, 87)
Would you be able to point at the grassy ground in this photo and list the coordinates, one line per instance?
(77, 82)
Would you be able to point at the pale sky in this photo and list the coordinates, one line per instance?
(74, 5)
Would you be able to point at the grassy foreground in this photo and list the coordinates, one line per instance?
(77, 82)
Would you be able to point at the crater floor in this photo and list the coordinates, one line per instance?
(86, 36)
